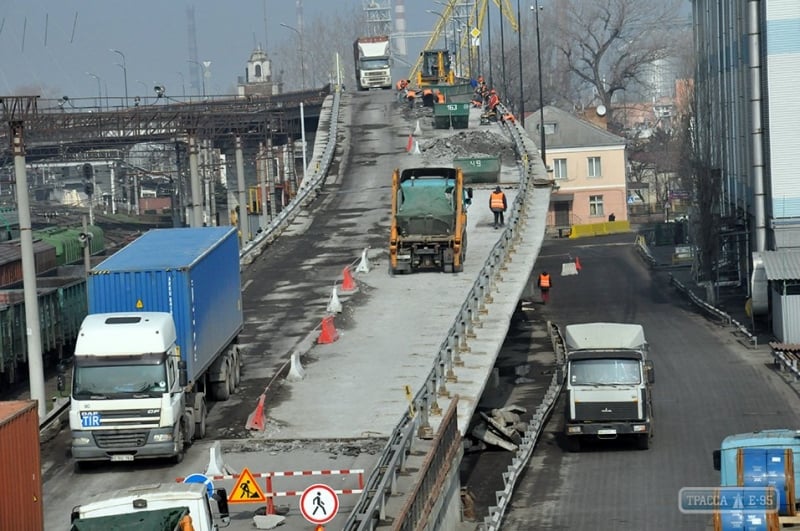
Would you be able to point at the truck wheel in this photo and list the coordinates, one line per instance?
(78, 466)
(180, 445)
(200, 426)
(448, 268)
(574, 444)
(237, 369)
(643, 442)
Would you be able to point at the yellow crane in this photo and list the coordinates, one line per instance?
(476, 19)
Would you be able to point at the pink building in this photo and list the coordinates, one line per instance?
(588, 165)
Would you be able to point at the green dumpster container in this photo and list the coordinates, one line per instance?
(460, 92)
(447, 114)
(479, 169)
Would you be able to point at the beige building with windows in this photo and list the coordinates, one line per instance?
(588, 165)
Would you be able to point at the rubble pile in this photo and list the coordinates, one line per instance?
(468, 143)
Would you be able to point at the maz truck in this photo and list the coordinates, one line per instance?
(160, 339)
(608, 383)
(372, 62)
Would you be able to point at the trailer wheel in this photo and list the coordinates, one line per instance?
(237, 368)
(200, 426)
(222, 390)
(574, 443)
(643, 442)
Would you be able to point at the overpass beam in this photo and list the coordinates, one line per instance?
(194, 178)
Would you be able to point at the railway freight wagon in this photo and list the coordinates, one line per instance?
(69, 242)
(62, 307)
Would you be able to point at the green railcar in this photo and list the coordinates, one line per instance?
(69, 242)
(62, 307)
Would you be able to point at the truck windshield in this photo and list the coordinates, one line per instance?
(604, 372)
(119, 381)
(374, 64)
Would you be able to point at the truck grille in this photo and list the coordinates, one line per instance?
(124, 414)
(606, 411)
(120, 439)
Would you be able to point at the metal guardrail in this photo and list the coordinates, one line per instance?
(531, 435)
(715, 312)
(370, 510)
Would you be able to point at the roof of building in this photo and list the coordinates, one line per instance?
(783, 264)
(570, 130)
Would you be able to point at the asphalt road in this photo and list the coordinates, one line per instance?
(708, 386)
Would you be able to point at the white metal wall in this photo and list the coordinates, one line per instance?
(785, 314)
(783, 71)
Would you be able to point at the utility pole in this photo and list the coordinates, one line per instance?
(15, 110)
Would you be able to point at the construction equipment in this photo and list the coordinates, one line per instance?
(468, 44)
(436, 68)
(429, 220)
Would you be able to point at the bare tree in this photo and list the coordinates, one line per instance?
(609, 45)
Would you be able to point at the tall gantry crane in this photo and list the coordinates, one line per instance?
(467, 44)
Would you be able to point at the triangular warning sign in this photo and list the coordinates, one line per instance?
(246, 490)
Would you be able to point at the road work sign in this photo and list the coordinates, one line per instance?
(246, 490)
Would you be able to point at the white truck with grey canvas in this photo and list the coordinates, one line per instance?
(608, 383)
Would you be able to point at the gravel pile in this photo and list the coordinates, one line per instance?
(468, 143)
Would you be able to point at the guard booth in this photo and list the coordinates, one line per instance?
(451, 115)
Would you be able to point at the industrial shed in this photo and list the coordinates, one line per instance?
(781, 270)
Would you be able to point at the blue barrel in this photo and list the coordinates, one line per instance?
(769, 467)
(745, 509)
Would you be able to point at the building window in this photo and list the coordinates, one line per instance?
(560, 168)
(549, 128)
(594, 167)
(596, 205)
(258, 70)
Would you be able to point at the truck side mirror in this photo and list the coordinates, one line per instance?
(221, 497)
(716, 456)
(650, 371)
(469, 192)
(183, 378)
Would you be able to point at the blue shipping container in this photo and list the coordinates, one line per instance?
(192, 273)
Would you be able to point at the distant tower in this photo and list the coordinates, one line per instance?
(400, 26)
(379, 18)
(194, 67)
(257, 80)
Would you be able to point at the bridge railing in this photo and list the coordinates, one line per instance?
(370, 511)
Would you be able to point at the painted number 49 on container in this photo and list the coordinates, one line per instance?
(90, 419)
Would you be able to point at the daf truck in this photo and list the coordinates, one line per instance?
(373, 62)
(160, 340)
(608, 383)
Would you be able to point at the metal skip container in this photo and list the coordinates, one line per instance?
(21, 505)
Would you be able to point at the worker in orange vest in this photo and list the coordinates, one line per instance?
(544, 286)
(498, 205)
(494, 99)
(439, 96)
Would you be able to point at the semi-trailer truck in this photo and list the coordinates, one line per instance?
(160, 339)
(608, 383)
(373, 63)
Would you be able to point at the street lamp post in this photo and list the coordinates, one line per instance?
(503, 51)
(541, 99)
(521, 85)
(144, 85)
(204, 75)
(124, 72)
(99, 89)
(302, 54)
(183, 84)
(444, 21)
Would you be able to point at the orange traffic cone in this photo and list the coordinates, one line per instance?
(348, 284)
(577, 263)
(256, 419)
(328, 333)
(410, 144)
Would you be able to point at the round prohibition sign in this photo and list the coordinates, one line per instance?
(319, 504)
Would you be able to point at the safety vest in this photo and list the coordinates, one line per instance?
(496, 200)
(493, 101)
(401, 84)
(440, 97)
(427, 92)
(544, 281)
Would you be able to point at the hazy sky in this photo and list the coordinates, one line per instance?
(40, 49)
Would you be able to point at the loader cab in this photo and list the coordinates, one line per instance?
(436, 68)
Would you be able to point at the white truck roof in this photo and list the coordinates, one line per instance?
(121, 334)
(158, 496)
(604, 336)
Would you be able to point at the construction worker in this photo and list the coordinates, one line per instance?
(439, 96)
(544, 286)
(427, 97)
(411, 97)
(498, 205)
(494, 100)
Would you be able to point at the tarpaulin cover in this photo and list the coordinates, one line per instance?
(156, 520)
(426, 207)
